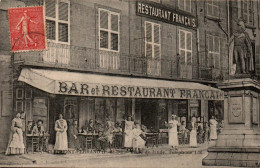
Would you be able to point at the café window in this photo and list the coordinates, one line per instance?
(247, 11)
(109, 30)
(213, 48)
(71, 109)
(153, 47)
(185, 47)
(57, 20)
(23, 101)
(212, 8)
(184, 5)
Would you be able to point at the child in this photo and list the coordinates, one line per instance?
(101, 142)
(184, 132)
(138, 142)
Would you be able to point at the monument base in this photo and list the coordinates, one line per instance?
(239, 142)
(232, 156)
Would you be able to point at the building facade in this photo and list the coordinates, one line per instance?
(106, 60)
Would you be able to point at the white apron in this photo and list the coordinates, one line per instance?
(128, 136)
(61, 142)
(173, 134)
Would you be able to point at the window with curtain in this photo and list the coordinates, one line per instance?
(184, 5)
(185, 47)
(212, 8)
(57, 20)
(247, 11)
(213, 48)
(109, 30)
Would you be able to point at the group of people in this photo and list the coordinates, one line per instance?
(198, 133)
(132, 135)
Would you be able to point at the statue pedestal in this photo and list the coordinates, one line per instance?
(239, 142)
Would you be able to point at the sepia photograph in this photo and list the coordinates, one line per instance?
(130, 83)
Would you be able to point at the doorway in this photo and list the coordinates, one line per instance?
(149, 114)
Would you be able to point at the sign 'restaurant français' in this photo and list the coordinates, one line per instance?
(165, 14)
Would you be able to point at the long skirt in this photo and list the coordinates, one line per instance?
(138, 142)
(15, 144)
(74, 143)
(61, 143)
(193, 138)
(213, 133)
(128, 140)
(173, 138)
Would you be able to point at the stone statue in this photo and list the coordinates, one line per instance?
(240, 49)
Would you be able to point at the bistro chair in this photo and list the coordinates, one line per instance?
(34, 142)
(89, 141)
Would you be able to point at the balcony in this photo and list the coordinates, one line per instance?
(88, 59)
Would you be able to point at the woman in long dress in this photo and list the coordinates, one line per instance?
(193, 134)
(213, 129)
(61, 143)
(138, 142)
(15, 144)
(128, 133)
(173, 133)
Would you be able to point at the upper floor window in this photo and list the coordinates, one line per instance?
(184, 5)
(247, 11)
(152, 40)
(58, 20)
(185, 47)
(109, 30)
(213, 48)
(213, 8)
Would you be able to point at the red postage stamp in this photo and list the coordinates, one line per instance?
(27, 28)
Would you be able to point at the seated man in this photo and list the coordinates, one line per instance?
(101, 142)
(73, 136)
(38, 129)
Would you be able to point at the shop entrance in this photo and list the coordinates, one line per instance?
(149, 114)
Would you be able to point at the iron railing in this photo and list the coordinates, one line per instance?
(82, 58)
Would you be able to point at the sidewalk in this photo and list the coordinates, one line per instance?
(47, 158)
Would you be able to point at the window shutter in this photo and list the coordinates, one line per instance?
(103, 19)
(63, 11)
(51, 30)
(157, 53)
(156, 34)
(189, 41)
(63, 32)
(182, 46)
(114, 22)
(209, 8)
(181, 4)
(148, 32)
(188, 5)
(149, 50)
(210, 49)
(50, 8)
(182, 39)
(114, 41)
(215, 8)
